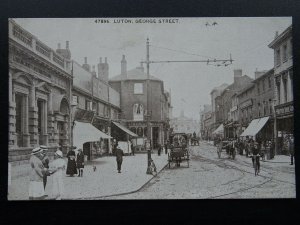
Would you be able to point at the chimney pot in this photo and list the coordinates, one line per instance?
(67, 44)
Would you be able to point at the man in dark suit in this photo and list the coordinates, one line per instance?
(119, 157)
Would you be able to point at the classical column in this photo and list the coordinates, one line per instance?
(282, 100)
(290, 87)
(32, 96)
(26, 137)
(45, 124)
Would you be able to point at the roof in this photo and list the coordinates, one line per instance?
(280, 37)
(264, 75)
(245, 89)
(134, 74)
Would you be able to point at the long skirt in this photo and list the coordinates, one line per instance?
(36, 189)
(71, 167)
(58, 186)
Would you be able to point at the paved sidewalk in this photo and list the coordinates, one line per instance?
(104, 181)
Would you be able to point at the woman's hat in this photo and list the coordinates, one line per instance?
(59, 153)
(43, 147)
(36, 150)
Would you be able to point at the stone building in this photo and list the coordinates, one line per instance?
(40, 84)
(206, 123)
(131, 84)
(283, 77)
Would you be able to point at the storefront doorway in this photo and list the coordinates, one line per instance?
(155, 136)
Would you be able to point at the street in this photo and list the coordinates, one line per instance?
(209, 177)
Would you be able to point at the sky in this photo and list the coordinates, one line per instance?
(188, 39)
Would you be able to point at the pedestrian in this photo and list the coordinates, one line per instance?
(255, 152)
(80, 162)
(291, 149)
(159, 149)
(132, 147)
(167, 146)
(36, 188)
(45, 162)
(71, 166)
(119, 158)
(57, 167)
(272, 148)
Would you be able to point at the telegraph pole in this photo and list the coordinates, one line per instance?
(148, 143)
(220, 62)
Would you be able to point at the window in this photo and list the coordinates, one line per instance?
(284, 54)
(88, 105)
(75, 99)
(270, 106)
(285, 89)
(40, 115)
(258, 90)
(138, 112)
(19, 107)
(138, 88)
(269, 81)
(258, 104)
(95, 107)
(277, 57)
(263, 85)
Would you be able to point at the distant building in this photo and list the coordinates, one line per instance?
(283, 77)
(183, 124)
(206, 123)
(131, 84)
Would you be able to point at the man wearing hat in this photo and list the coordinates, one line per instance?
(45, 162)
(36, 188)
(119, 157)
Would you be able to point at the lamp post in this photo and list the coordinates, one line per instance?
(148, 142)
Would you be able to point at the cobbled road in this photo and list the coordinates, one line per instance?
(209, 177)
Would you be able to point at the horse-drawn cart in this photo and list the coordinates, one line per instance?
(179, 150)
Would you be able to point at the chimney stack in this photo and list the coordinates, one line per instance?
(86, 66)
(103, 70)
(124, 67)
(237, 75)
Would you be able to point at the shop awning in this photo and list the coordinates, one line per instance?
(86, 132)
(255, 126)
(125, 129)
(219, 130)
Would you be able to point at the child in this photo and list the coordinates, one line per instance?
(56, 168)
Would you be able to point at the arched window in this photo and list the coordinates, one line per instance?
(138, 112)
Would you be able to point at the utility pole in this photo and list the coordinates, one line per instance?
(222, 62)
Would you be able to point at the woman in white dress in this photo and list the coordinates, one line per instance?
(57, 167)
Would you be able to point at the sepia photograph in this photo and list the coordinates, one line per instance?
(150, 108)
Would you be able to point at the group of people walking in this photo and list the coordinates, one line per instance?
(41, 168)
(259, 147)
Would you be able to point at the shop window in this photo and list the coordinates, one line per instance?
(138, 112)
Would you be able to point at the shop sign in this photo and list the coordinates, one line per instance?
(84, 115)
(285, 110)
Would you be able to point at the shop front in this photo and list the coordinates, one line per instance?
(284, 125)
(88, 138)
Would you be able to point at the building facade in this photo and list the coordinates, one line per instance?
(40, 84)
(283, 78)
(94, 101)
(183, 124)
(131, 84)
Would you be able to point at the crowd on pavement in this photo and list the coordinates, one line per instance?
(41, 168)
(252, 148)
